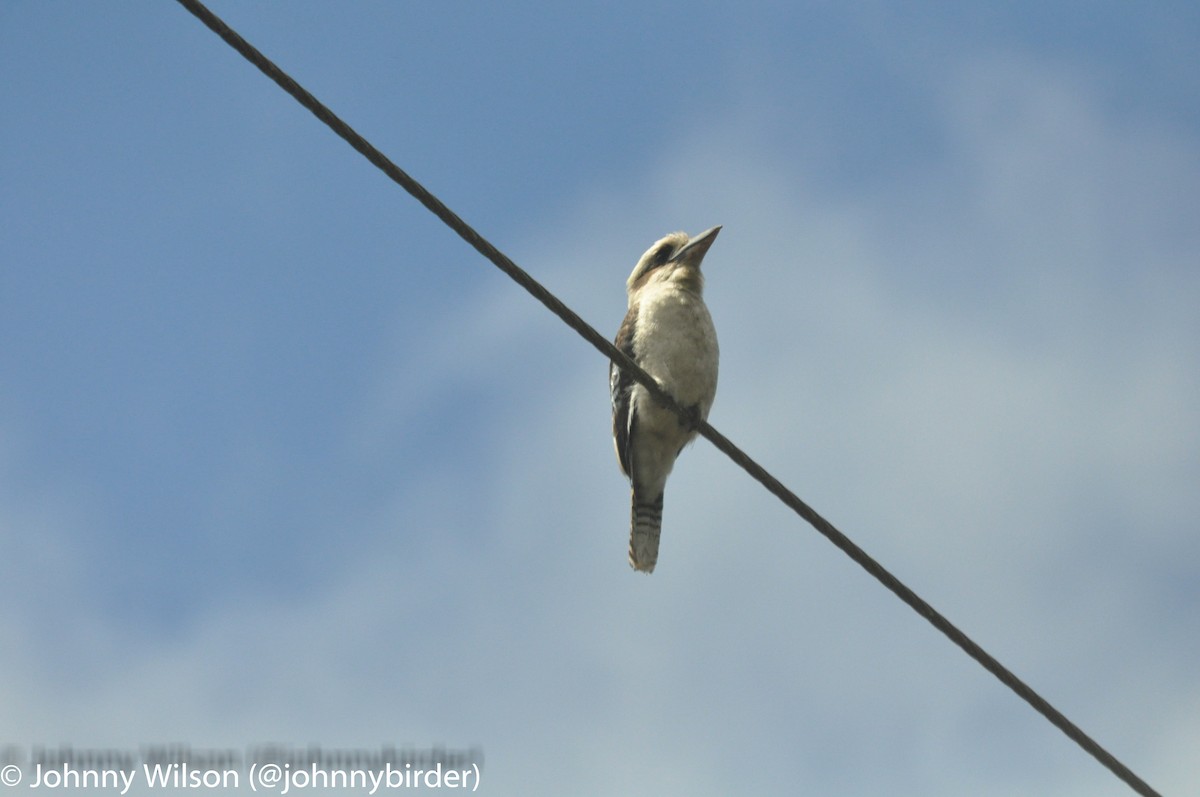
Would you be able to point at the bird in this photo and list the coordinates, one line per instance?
(669, 332)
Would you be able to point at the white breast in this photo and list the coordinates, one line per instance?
(676, 343)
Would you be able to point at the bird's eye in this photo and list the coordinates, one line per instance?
(663, 254)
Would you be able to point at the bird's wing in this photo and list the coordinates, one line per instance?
(620, 388)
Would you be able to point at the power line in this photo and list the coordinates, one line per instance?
(539, 292)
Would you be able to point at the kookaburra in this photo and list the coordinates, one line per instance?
(669, 333)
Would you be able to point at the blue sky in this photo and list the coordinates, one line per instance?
(282, 459)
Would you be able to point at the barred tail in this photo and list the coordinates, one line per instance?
(644, 530)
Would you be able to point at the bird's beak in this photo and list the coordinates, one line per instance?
(692, 253)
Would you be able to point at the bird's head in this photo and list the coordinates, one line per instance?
(675, 258)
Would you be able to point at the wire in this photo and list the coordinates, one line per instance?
(572, 319)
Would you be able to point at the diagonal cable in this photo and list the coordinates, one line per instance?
(572, 319)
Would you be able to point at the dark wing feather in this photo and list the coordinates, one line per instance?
(620, 388)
